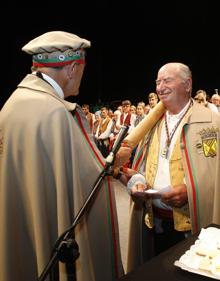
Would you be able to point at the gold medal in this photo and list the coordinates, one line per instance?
(148, 221)
(148, 217)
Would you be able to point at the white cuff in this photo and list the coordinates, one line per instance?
(135, 179)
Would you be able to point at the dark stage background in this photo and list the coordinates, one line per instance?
(129, 43)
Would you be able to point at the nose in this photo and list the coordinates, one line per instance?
(159, 87)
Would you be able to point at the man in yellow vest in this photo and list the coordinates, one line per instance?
(175, 180)
(103, 132)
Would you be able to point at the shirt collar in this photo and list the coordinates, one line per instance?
(54, 84)
(178, 115)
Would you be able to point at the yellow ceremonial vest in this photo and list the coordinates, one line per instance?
(103, 125)
(180, 215)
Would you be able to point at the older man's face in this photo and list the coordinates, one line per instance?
(171, 89)
(215, 100)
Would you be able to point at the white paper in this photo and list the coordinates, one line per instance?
(157, 193)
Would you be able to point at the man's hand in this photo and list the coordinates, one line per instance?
(127, 173)
(177, 197)
(138, 190)
(122, 156)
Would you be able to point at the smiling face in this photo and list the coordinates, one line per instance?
(173, 86)
(153, 101)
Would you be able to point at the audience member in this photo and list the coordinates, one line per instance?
(215, 99)
(152, 100)
(139, 115)
(103, 132)
(89, 115)
(96, 123)
(126, 117)
(201, 97)
(133, 109)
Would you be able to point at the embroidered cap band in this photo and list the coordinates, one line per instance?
(58, 58)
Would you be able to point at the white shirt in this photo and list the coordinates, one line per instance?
(213, 107)
(106, 133)
(54, 84)
(162, 179)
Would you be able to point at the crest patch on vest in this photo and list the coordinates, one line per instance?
(209, 141)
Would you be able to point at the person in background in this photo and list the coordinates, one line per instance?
(139, 114)
(89, 115)
(133, 109)
(103, 132)
(147, 109)
(114, 130)
(119, 108)
(139, 117)
(201, 97)
(141, 103)
(48, 165)
(152, 100)
(98, 119)
(110, 113)
(168, 182)
(215, 99)
(126, 117)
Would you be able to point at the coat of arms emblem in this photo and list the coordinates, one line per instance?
(209, 141)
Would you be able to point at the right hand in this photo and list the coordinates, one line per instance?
(127, 174)
(176, 197)
(138, 190)
(122, 156)
(138, 193)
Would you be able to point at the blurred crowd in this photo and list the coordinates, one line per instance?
(105, 123)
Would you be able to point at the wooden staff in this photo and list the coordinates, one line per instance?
(139, 132)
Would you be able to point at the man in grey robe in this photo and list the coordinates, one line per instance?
(48, 165)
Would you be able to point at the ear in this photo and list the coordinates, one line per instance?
(70, 69)
(189, 85)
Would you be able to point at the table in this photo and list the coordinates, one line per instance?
(162, 267)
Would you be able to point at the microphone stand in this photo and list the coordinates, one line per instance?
(66, 250)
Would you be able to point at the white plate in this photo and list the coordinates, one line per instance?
(197, 271)
(207, 245)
